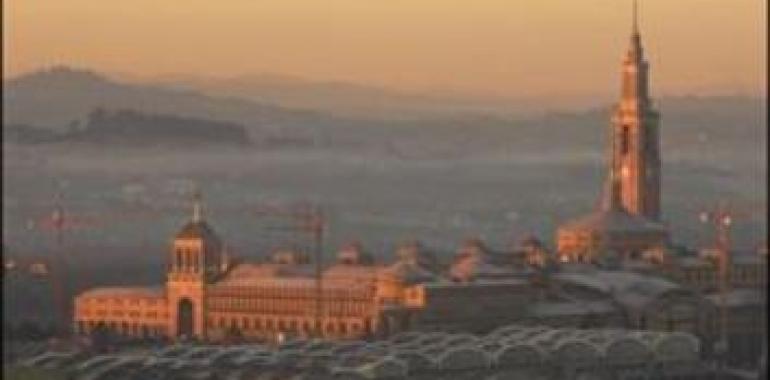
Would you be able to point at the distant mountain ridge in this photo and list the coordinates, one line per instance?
(707, 127)
(344, 98)
(53, 98)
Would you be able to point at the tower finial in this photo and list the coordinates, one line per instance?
(197, 212)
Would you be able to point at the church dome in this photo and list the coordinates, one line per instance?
(353, 253)
(473, 261)
(196, 230)
(530, 241)
(413, 252)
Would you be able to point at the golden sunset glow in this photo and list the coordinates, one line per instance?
(511, 47)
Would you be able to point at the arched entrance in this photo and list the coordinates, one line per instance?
(185, 320)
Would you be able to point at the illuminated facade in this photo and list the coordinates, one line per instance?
(635, 146)
(628, 221)
(209, 296)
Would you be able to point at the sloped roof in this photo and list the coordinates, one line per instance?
(410, 272)
(628, 288)
(614, 220)
(344, 277)
(477, 266)
(353, 272)
(125, 291)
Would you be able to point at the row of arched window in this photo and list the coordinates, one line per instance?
(138, 330)
(305, 305)
(186, 260)
(249, 325)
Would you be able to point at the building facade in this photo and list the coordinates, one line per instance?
(210, 296)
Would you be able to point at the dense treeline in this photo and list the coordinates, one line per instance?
(130, 127)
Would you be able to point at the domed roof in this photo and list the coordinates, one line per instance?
(414, 252)
(410, 272)
(196, 230)
(353, 253)
(475, 265)
(530, 240)
(472, 247)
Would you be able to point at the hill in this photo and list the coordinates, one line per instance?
(130, 128)
(56, 97)
(350, 100)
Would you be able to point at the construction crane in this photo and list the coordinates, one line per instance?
(309, 219)
(57, 269)
(721, 218)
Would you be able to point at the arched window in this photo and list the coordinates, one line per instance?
(185, 318)
(178, 259)
(625, 140)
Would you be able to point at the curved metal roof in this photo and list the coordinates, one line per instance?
(462, 358)
(520, 355)
(509, 349)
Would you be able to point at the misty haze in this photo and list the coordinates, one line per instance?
(438, 178)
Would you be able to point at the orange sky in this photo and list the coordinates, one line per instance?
(511, 47)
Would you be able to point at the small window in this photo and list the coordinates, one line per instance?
(625, 140)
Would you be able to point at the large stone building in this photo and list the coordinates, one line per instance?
(209, 295)
(628, 220)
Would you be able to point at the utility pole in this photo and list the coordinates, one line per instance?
(59, 270)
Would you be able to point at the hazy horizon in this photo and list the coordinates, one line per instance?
(496, 49)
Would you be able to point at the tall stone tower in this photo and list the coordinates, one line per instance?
(195, 261)
(635, 147)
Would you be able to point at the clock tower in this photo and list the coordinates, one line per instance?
(635, 140)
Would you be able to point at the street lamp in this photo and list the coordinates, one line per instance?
(721, 220)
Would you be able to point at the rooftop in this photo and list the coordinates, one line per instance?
(196, 230)
(125, 291)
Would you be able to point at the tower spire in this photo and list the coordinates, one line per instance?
(197, 215)
(635, 19)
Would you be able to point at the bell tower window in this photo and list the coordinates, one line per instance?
(178, 259)
(624, 140)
